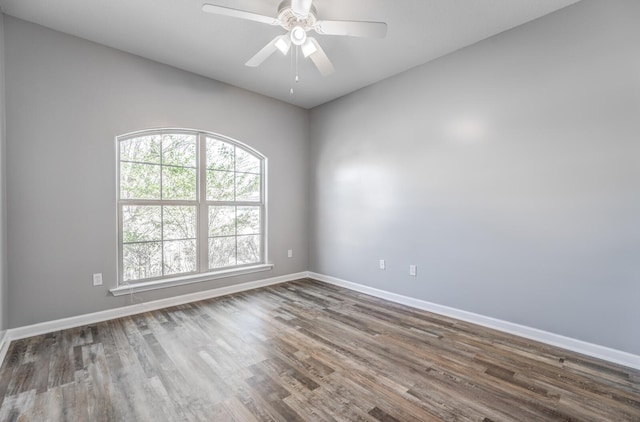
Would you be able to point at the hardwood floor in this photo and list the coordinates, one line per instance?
(304, 351)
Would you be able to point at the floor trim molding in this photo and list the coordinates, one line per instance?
(100, 316)
(574, 345)
(4, 344)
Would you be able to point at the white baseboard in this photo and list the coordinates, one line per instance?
(578, 346)
(100, 316)
(4, 344)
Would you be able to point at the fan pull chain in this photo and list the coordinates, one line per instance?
(297, 79)
(291, 75)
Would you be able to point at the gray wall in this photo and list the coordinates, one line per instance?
(66, 100)
(3, 225)
(508, 172)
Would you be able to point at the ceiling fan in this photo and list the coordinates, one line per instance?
(299, 17)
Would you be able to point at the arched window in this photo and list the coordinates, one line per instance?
(190, 203)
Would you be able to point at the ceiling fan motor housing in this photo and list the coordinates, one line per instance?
(289, 20)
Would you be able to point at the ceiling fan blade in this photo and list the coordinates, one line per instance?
(301, 8)
(320, 59)
(236, 13)
(352, 28)
(264, 53)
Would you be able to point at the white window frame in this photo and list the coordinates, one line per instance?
(202, 273)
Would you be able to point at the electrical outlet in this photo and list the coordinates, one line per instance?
(413, 271)
(382, 264)
(97, 279)
(290, 253)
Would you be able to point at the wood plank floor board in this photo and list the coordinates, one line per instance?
(16, 407)
(341, 402)
(305, 351)
(238, 411)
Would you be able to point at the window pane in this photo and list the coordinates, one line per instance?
(222, 252)
(219, 186)
(220, 155)
(246, 162)
(179, 222)
(145, 149)
(179, 256)
(248, 249)
(222, 221)
(141, 223)
(142, 260)
(139, 181)
(178, 183)
(247, 187)
(248, 220)
(179, 150)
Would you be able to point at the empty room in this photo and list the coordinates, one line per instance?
(320, 210)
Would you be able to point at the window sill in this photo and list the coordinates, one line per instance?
(180, 281)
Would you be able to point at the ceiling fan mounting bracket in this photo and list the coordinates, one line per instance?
(289, 20)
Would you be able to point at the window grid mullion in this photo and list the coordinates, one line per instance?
(203, 211)
(235, 207)
(235, 231)
(161, 206)
(158, 202)
(120, 240)
(232, 204)
(162, 239)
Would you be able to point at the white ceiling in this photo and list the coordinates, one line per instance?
(178, 33)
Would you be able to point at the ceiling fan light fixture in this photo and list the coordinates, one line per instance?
(298, 35)
(308, 48)
(283, 44)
